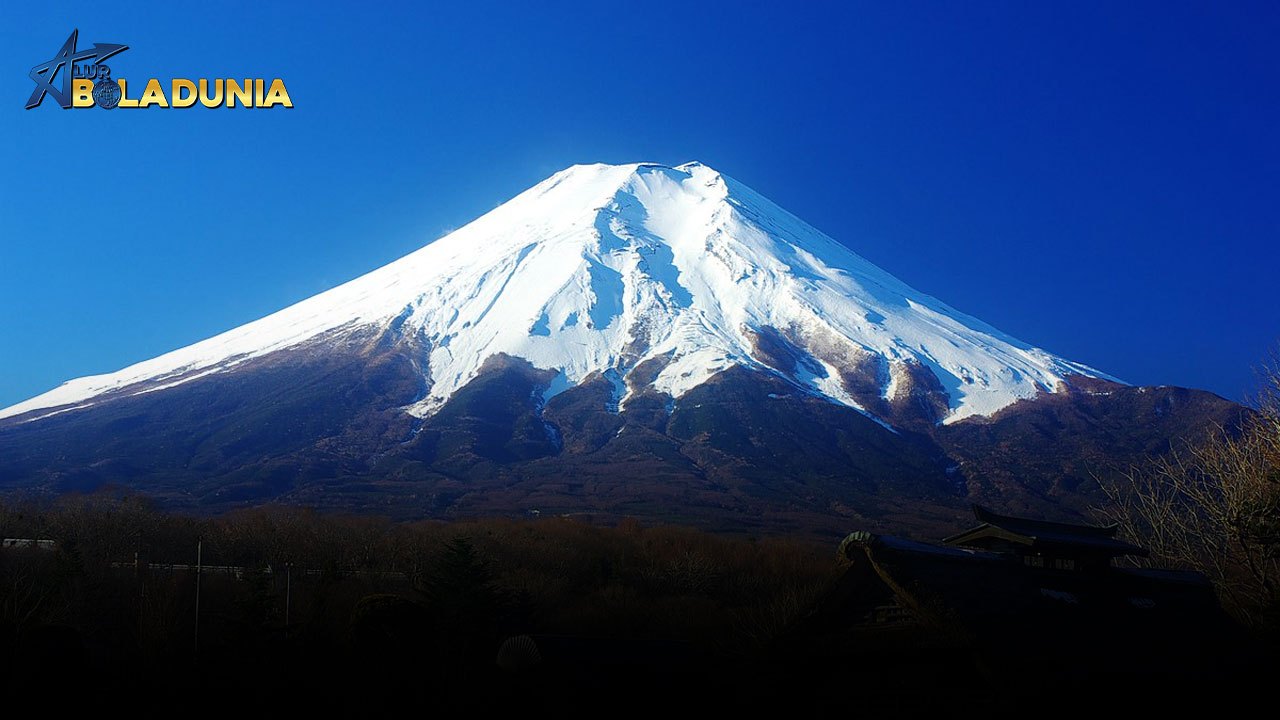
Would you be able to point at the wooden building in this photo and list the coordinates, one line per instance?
(1009, 576)
(1013, 602)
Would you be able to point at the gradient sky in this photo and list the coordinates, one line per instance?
(1098, 179)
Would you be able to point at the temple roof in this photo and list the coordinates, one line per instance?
(1042, 534)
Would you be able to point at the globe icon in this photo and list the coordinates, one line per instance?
(106, 94)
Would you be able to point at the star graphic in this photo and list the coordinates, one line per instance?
(44, 73)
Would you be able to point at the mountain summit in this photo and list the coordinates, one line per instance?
(680, 271)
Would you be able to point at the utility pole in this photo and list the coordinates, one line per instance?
(141, 564)
(195, 648)
(288, 594)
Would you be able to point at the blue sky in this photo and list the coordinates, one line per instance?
(1098, 179)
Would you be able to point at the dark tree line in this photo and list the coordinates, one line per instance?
(302, 609)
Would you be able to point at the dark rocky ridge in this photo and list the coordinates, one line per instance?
(747, 451)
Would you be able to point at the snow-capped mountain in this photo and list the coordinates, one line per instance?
(601, 269)
(617, 340)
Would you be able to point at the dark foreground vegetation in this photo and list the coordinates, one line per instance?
(325, 616)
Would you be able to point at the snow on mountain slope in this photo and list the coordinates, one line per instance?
(601, 267)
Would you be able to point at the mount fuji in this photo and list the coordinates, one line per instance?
(618, 339)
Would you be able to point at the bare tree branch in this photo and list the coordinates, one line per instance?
(1213, 506)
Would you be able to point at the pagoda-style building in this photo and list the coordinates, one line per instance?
(1013, 600)
(1010, 576)
(1042, 544)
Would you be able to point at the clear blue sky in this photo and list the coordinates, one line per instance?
(1099, 179)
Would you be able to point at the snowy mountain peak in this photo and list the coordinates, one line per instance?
(602, 268)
